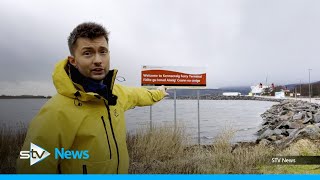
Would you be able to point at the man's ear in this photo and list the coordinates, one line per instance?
(72, 61)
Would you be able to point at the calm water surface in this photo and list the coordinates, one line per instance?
(216, 115)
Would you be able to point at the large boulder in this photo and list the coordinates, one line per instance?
(298, 116)
(317, 117)
(308, 118)
(311, 131)
(271, 134)
(289, 125)
(266, 134)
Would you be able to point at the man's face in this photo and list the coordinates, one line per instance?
(91, 57)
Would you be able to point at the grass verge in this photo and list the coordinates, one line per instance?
(165, 150)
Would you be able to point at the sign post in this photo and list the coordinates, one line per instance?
(175, 77)
(198, 97)
(175, 108)
(150, 118)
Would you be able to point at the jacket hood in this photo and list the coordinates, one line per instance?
(65, 86)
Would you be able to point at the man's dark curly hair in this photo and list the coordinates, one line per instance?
(89, 30)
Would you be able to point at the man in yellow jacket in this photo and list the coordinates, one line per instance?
(83, 125)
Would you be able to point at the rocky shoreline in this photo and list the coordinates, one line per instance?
(220, 97)
(289, 121)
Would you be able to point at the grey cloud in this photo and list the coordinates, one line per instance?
(239, 41)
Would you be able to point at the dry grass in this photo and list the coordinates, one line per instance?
(148, 148)
(162, 150)
(11, 142)
(302, 147)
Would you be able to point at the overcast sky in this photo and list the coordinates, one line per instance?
(240, 42)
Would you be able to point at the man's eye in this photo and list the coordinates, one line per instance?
(87, 53)
(104, 52)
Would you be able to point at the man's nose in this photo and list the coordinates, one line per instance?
(97, 59)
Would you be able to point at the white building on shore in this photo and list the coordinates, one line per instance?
(231, 94)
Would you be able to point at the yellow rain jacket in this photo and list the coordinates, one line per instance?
(78, 120)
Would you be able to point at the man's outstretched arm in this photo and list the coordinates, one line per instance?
(139, 96)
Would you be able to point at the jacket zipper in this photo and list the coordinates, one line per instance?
(84, 169)
(105, 129)
(114, 137)
(59, 169)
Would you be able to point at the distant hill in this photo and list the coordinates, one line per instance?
(213, 92)
(244, 90)
(193, 92)
(304, 88)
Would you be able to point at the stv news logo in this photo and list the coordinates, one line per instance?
(37, 154)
